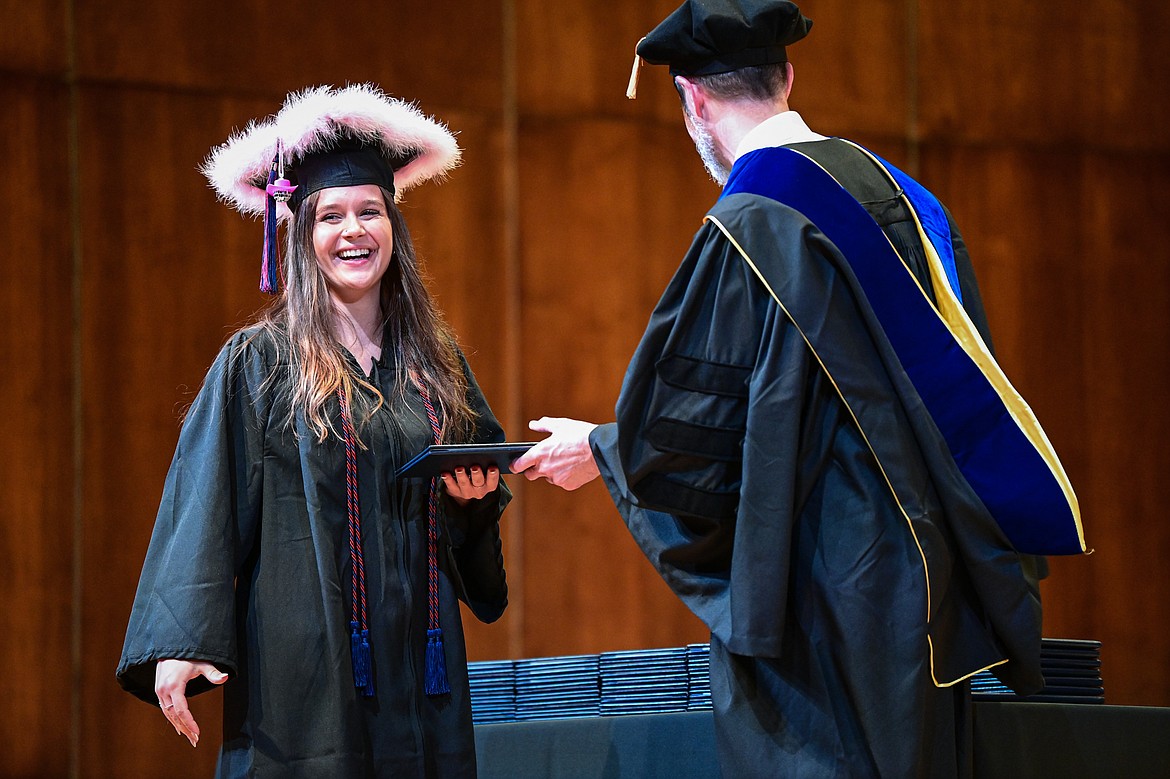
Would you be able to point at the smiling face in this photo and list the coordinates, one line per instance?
(353, 240)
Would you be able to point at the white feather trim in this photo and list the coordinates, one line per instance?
(312, 120)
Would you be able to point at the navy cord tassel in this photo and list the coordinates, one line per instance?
(359, 647)
(270, 267)
(436, 664)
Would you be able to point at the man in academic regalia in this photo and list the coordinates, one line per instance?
(802, 444)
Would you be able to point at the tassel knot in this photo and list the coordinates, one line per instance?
(359, 647)
(435, 680)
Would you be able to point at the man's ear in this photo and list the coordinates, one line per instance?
(694, 97)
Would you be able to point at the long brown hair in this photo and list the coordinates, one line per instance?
(422, 344)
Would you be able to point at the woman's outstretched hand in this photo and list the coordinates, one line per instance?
(170, 685)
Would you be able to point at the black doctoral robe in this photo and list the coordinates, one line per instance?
(249, 568)
(846, 601)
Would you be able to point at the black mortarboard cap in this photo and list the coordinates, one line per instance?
(703, 37)
(347, 164)
(326, 137)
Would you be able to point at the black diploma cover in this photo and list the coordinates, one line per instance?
(445, 458)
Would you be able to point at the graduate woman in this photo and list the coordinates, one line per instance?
(288, 564)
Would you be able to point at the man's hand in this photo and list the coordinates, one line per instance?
(170, 685)
(564, 458)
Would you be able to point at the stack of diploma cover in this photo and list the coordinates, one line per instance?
(555, 687)
(644, 681)
(656, 681)
(493, 691)
(698, 677)
(1072, 674)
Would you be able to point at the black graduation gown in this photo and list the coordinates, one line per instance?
(836, 610)
(249, 568)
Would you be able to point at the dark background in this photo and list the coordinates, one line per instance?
(1043, 125)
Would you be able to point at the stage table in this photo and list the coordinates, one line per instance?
(1012, 739)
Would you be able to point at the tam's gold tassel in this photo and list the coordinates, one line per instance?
(632, 89)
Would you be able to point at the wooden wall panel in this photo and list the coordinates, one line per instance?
(31, 36)
(852, 72)
(411, 47)
(1126, 337)
(36, 482)
(167, 273)
(606, 214)
(574, 59)
(1049, 73)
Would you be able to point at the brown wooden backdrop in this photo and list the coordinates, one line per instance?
(1042, 124)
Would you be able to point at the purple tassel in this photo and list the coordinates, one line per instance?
(359, 648)
(280, 190)
(435, 681)
(269, 270)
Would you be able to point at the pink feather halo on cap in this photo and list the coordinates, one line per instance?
(314, 120)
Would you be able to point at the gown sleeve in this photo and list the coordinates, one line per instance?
(474, 529)
(185, 604)
(683, 410)
(712, 507)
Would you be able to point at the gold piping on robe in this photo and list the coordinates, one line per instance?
(885, 477)
(951, 311)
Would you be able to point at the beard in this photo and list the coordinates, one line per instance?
(717, 169)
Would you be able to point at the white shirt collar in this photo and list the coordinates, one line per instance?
(778, 130)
